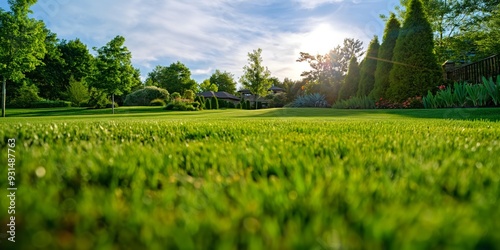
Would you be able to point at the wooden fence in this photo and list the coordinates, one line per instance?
(473, 72)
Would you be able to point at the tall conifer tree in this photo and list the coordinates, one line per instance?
(415, 69)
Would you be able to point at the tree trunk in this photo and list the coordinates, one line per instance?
(256, 97)
(4, 95)
(113, 103)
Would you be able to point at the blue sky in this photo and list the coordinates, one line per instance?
(216, 34)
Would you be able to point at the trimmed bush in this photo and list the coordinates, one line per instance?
(385, 54)
(362, 102)
(176, 96)
(415, 70)
(158, 102)
(189, 94)
(367, 72)
(143, 97)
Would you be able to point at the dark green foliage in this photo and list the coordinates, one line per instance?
(355, 102)
(350, 86)
(143, 97)
(174, 78)
(278, 100)
(385, 55)
(176, 96)
(189, 94)
(224, 81)
(202, 102)
(180, 106)
(415, 69)
(215, 102)
(98, 99)
(248, 105)
(77, 93)
(26, 95)
(367, 72)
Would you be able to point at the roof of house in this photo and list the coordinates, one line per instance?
(244, 91)
(221, 95)
(275, 89)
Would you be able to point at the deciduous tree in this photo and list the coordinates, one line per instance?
(114, 72)
(255, 75)
(22, 45)
(224, 81)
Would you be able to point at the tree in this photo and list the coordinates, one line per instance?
(451, 19)
(415, 70)
(328, 71)
(49, 76)
(224, 81)
(350, 86)
(114, 72)
(22, 44)
(255, 76)
(79, 61)
(174, 78)
(385, 54)
(367, 73)
(488, 40)
(208, 86)
(77, 92)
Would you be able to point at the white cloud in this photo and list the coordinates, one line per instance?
(311, 4)
(205, 35)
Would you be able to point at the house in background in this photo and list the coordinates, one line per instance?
(221, 95)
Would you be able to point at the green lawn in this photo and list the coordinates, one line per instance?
(260, 179)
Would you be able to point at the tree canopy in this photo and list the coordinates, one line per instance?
(174, 78)
(22, 43)
(224, 81)
(114, 71)
(255, 75)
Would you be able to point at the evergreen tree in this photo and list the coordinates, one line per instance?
(350, 86)
(415, 70)
(385, 54)
(367, 72)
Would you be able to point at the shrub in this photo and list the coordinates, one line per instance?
(413, 103)
(278, 100)
(477, 94)
(493, 89)
(77, 92)
(158, 102)
(176, 96)
(110, 105)
(189, 94)
(143, 97)
(26, 95)
(363, 102)
(387, 104)
(98, 100)
(50, 104)
(248, 105)
(180, 106)
(311, 100)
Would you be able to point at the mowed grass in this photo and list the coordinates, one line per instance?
(265, 179)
